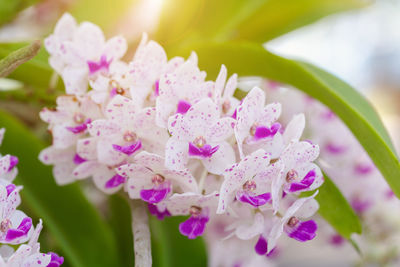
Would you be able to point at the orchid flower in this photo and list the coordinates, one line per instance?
(200, 134)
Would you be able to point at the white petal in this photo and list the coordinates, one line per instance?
(220, 160)
(115, 48)
(246, 232)
(294, 129)
(176, 154)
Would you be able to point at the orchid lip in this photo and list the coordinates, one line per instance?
(78, 159)
(13, 162)
(252, 199)
(303, 231)
(103, 63)
(115, 181)
(129, 149)
(10, 188)
(183, 106)
(305, 183)
(79, 128)
(153, 209)
(156, 194)
(22, 229)
(262, 132)
(206, 151)
(194, 226)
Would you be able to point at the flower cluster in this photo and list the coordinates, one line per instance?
(160, 131)
(15, 226)
(349, 166)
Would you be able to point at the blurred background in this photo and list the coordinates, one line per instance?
(360, 46)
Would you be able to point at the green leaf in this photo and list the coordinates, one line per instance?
(74, 223)
(18, 57)
(36, 74)
(248, 59)
(171, 248)
(277, 17)
(260, 20)
(120, 221)
(335, 209)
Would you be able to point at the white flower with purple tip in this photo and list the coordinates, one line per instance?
(300, 173)
(251, 181)
(150, 180)
(82, 53)
(255, 121)
(181, 89)
(292, 222)
(199, 207)
(200, 134)
(15, 226)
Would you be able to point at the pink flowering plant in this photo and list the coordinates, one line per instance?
(169, 145)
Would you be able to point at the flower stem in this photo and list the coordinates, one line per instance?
(141, 234)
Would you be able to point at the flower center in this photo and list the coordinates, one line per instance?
(293, 221)
(226, 106)
(199, 141)
(291, 176)
(5, 225)
(157, 179)
(195, 211)
(79, 118)
(118, 89)
(253, 129)
(250, 185)
(130, 136)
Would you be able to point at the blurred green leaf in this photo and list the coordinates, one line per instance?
(36, 75)
(120, 221)
(259, 20)
(104, 13)
(10, 8)
(248, 59)
(335, 209)
(18, 57)
(75, 224)
(277, 17)
(171, 248)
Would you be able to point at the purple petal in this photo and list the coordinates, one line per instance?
(252, 199)
(56, 260)
(264, 132)
(304, 231)
(115, 181)
(79, 128)
(101, 64)
(155, 195)
(129, 149)
(78, 160)
(305, 183)
(153, 209)
(205, 151)
(13, 162)
(261, 246)
(194, 226)
(10, 188)
(22, 229)
(183, 107)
